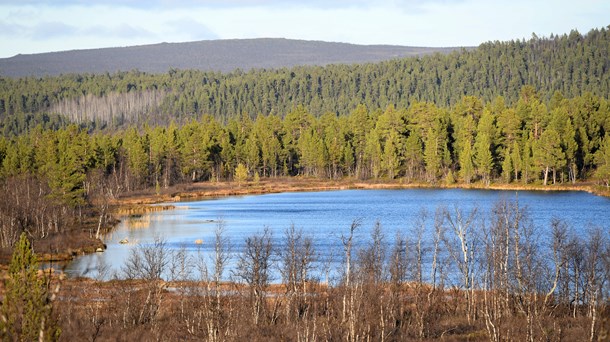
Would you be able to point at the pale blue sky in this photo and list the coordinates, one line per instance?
(33, 26)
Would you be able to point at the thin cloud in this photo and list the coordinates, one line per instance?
(191, 28)
(53, 29)
(10, 30)
(120, 31)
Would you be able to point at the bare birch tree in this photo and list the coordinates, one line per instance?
(461, 247)
(254, 267)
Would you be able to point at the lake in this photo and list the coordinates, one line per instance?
(325, 216)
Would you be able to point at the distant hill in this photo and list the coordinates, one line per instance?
(207, 55)
(561, 66)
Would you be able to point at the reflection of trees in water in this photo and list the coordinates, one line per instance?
(138, 221)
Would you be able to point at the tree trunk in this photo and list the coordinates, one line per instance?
(99, 224)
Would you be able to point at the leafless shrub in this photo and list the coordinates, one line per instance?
(146, 263)
(254, 267)
(297, 261)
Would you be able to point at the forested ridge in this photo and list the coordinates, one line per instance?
(572, 64)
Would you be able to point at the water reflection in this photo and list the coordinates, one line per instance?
(138, 221)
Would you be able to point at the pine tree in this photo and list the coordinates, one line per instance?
(466, 163)
(413, 155)
(359, 123)
(372, 154)
(137, 157)
(528, 163)
(390, 159)
(158, 150)
(466, 115)
(268, 130)
(25, 314)
(252, 152)
(570, 147)
(602, 158)
(311, 152)
(507, 166)
(241, 174)
(485, 145)
(334, 142)
(195, 153)
(516, 160)
(482, 156)
(295, 125)
(74, 157)
(433, 147)
(348, 159)
(172, 158)
(548, 154)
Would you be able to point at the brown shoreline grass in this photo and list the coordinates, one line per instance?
(203, 190)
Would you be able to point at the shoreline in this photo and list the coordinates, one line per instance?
(142, 202)
(203, 190)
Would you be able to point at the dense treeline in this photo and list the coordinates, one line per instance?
(472, 141)
(456, 275)
(572, 64)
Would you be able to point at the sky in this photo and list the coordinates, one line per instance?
(35, 26)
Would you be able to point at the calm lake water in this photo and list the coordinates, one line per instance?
(325, 216)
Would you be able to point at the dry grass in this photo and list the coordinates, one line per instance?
(301, 184)
(88, 308)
